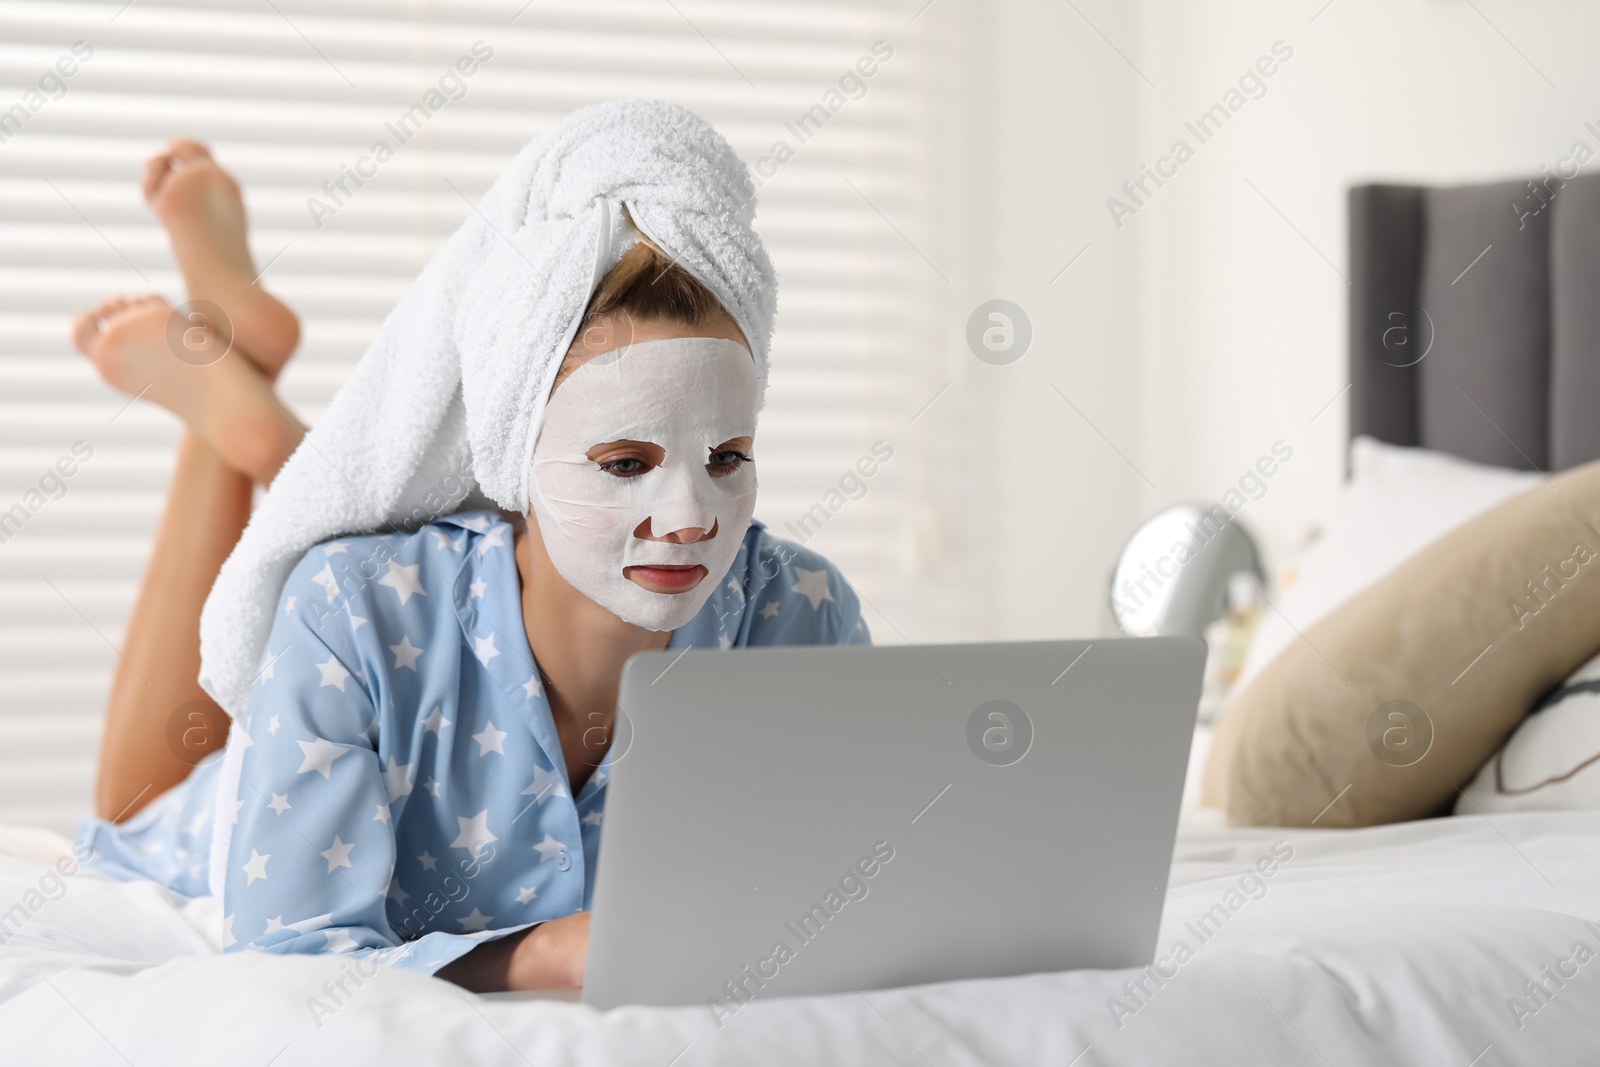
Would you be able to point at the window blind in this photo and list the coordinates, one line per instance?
(292, 94)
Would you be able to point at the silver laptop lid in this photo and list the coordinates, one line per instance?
(787, 821)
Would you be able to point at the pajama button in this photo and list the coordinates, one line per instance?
(563, 861)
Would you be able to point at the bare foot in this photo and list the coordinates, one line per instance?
(199, 204)
(140, 350)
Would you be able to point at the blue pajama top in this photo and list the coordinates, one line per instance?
(396, 788)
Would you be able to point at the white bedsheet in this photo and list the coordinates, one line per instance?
(1394, 945)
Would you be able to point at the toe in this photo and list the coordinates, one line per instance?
(84, 330)
(187, 151)
(109, 307)
(156, 169)
(131, 319)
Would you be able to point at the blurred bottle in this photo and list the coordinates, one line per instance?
(1227, 641)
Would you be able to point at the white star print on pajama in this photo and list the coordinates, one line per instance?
(403, 793)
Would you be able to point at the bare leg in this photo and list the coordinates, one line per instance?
(208, 504)
(230, 411)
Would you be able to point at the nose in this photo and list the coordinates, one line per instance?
(687, 536)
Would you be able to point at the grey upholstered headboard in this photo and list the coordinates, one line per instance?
(1475, 319)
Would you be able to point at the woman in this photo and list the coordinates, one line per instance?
(419, 775)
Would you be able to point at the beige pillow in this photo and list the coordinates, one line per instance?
(1387, 705)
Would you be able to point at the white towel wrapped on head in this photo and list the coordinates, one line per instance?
(456, 381)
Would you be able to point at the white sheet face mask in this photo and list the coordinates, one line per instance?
(686, 395)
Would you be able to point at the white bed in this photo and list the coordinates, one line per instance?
(1406, 944)
(1402, 944)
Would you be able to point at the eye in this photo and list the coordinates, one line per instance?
(626, 467)
(725, 461)
(627, 459)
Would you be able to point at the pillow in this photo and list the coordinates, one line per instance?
(1552, 762)
(1409, 687)
(1397, 500)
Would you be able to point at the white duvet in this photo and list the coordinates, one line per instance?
(1406, 944)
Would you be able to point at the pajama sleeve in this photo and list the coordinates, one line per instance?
(311, 859)
(845, 624)
(799, 598)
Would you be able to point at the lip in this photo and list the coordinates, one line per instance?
(662, 578)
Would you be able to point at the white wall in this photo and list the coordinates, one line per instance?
(1211, 324)
(1033, 117)
(1243, 318)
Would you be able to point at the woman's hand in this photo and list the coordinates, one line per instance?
(551, 955)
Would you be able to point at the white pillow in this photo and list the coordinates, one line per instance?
(1553, 759)
(1397, 501)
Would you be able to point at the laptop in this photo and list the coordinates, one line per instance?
(792, 821)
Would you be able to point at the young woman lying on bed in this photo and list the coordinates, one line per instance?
(426, 745)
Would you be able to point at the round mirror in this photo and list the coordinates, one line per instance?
(1174, 574)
